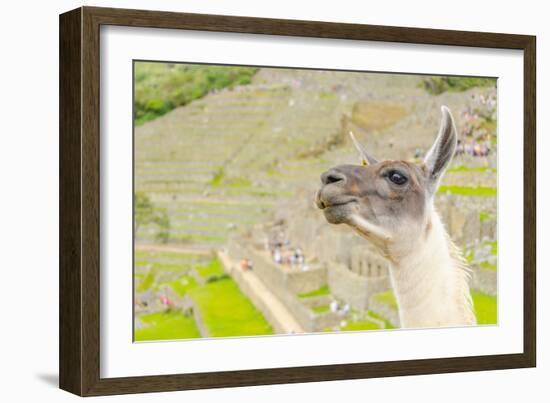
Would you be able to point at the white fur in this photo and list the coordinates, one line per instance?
(430, 281)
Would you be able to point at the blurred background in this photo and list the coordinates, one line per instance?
(227, 159)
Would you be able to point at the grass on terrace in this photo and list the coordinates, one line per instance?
(463, 168)
(438, 85)
(214, 268)
(321, 309)
(227, 312)
(166, 326)
(485, 307)
(387, 298)
(321, 291)
(483, 191)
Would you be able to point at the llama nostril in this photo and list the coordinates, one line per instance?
(332, 177)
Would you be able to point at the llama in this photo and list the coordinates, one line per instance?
(391, 204)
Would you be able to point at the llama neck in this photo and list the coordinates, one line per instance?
(431, 281)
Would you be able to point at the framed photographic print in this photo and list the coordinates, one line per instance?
(249, 201)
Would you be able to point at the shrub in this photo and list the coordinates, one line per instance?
(161, 87)
(146, 213)
(438, 85)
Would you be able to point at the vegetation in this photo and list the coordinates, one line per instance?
(387, 323)
(488, 266)
(321, 291)
(483, 191)
(227, 312)
(463, 168)
(485, 216)
(214, 269)
(147, 281)
(166, 326)
(161, 87)
(217, 178)
(386, 298)
(485, 307)
(367, 323)
(183, 284)
(363, 324)
(469, 255)
(439, 85)
(224, 309)
(321, 309)
(145, 212)
(494, 247)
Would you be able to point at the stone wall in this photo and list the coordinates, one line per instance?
(282, 283)
(463, 220)
(485, 281)
(313, 278)
(353, 288)
(189, 306)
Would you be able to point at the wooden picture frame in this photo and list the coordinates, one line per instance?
(79, 346)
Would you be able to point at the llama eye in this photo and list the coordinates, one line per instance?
(397, 178)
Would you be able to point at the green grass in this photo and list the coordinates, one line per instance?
(327, 95)
(224, 309)
(468, 190)
(321, 309)
(485, 216)
(485, 307)
(494, 247)
(322, 291)
(463, 168)
(468, 255)
(161, 87)
(166, 326)
(386, 298)
(217, 178)
(438, 85)
(366, 324)
(238, 182)
(360, 325)
(214, 268)
(227, 312)
(147, 281)
(388, 324)
(488, 266)
(183, 284)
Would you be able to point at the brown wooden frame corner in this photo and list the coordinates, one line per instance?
(79, 200)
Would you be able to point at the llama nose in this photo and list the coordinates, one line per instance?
(332, 176)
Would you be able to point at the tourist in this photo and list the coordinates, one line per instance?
(277, 257)
(346, 309)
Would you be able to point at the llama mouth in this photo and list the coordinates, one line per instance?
(324, 204)
(331, 205)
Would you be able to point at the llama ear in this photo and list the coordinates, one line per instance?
(366, 158)
(441, 153)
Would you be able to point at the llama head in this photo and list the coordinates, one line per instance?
(388, 202)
